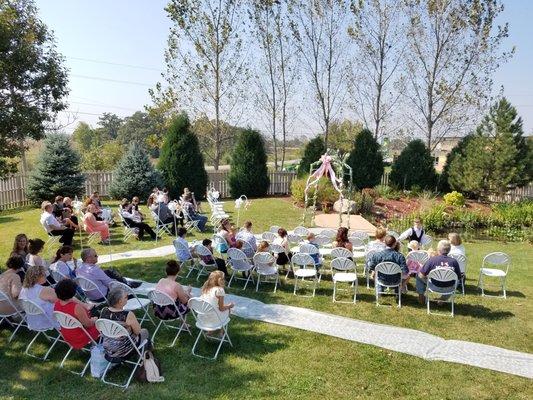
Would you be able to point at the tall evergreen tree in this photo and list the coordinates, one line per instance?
(134, 174)
(366, 160)
(457, 150)
(497, 158)
(314, 149)
(414, 167)
(57, 171)
(181, 162)
(249, 173)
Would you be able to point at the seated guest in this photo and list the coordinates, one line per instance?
(97, 210)
(247, 236)
(164, 214)
(316, 256)
(61, 260)
(342, 239)
(263, 246)
(390, 254)
(20, 247)
(190, 210)
(119, 348)
(69, 220)
(11, 284)
(413, 245)
(33, 289)
(378, 243)
(133, 221)
(33, 257)
(181, 254)
(101, 278)
(221, 264)
(67, 205)
(282, 240)
(175, 291)
(415, 233)
(53, 226)
(226, 231)
(442, 260)
(92, 225)
(457, 246)
(95, 197)
(67, 303)
(213, 293)
(57, 207)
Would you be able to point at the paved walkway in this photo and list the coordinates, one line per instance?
(407, 341)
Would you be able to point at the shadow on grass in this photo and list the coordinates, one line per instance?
(7, 219)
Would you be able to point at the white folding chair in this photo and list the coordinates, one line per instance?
(19, 314)
(358, 244)
(190, 263)
(394, 234)
(303, 266)
(51, 239)
(265, 265)
(496, 259)
(341, 252)
(68, 322)
(129, 232)
(368, 256)
(188, 222)
(301, 231)
(361, 235)
(312, 250)
(442, 282)
(239, 263)
(392, 270)
(208, 320)
(269, 236)
(31, 308)
(160, 226)
(418, 256)
(461, 259)
(344, 270)
(164, 300)
(427, 242)
(330, 233)
(205, 268)
(294, 239)
(277, 249)
(275, 229)
(56, 274)
(88, 285)
(114, 330)
(322, 240)
(248, 250)
(134, 303)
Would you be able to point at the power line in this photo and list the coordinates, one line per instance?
(115, 63)
(96, 78)
(102, 105)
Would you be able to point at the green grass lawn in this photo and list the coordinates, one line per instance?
(275, 362)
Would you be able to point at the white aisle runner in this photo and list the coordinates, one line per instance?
(403, 340)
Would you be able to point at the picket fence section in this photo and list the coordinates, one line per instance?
(12, 189)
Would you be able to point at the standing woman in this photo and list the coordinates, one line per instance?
(20, 247)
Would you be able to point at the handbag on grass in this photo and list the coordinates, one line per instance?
(98, 362)
(150, 369)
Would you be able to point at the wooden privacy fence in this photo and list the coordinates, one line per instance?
(280, 182)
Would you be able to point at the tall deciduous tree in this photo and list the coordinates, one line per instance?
(33, 80)
(275, 71)
(342, 135)
(314, 149)
(379, 36)
(181, 161)
(320, 35)
(366, 161)
(206, 62)
(249, 173)
(496, 159)
(57, 171)
(454, 48)
(110, 124)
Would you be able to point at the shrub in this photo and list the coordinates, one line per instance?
(371, 192)
(366, 161)
(181, 162)
(363, 203)
(249, 174)
(455, 199)
(57, 171)
(134, 175)
(314, 149)
(387, 192)
(414, 167)
(326, 192)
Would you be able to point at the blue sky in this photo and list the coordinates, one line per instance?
(134, 32)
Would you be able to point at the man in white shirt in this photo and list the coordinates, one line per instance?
(415, 233)
(247, 236)
(53, 226)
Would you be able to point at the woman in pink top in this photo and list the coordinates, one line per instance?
(92, 225)
(175, 291)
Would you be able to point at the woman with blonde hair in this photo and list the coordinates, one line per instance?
(457, 244)
(213, 293)
(33, 289)
(93, 225)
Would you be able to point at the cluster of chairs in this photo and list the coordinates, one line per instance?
(217, 208)
(140, 301)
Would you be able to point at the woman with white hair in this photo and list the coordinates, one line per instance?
(121, 347)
